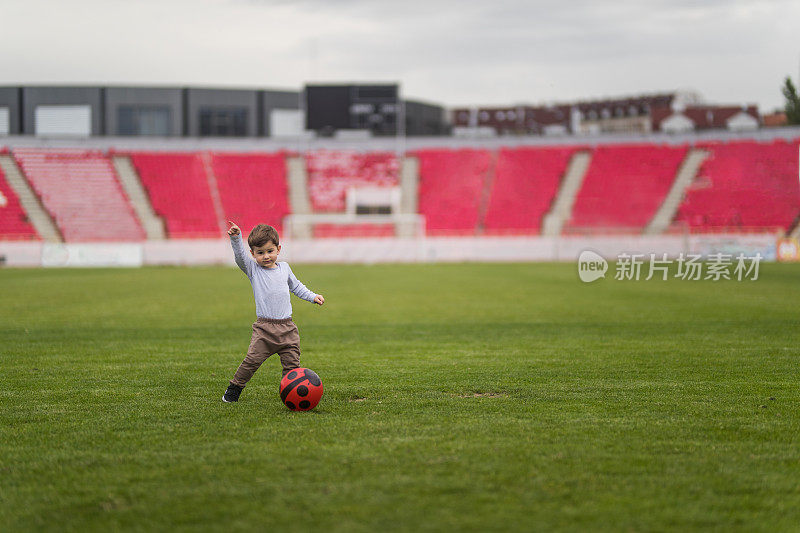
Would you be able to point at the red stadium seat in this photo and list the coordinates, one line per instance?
(450, 187)
(14, 223)
(526, 182)
(333, 231)
(178, 187)
(744, 184)
(253, 188)
(331, 173)
(81, 191)
(625, 185)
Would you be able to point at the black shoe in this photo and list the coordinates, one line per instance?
(232, 394)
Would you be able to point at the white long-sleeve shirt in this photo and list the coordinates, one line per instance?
(271, 286)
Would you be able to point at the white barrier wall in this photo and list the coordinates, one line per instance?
(20, 254)
(188, 252)
(92, 255)
(520, 249)
(383, 250)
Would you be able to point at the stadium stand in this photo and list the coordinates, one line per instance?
(744, 184)
(526, 182)
(14, 223)
(80, 190)
(450, 185)
(177, 184)
(625, 185)
(332, 172)
(467, 191)
(253, 188)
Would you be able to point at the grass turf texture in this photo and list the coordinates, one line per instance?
(457, 397)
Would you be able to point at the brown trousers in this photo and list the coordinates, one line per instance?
(270, 336)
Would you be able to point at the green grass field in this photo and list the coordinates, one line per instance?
(466, 397)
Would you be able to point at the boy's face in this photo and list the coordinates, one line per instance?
(266, 255)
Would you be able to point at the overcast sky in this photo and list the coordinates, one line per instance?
(490, 52)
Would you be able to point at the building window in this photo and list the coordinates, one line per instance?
(63, 120)
(5, 122)
(223, 122)
(135, 120)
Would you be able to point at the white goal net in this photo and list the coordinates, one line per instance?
(352, 225)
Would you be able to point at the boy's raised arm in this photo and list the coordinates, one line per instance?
(239, 253)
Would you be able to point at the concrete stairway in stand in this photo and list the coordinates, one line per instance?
(486, 193)
(152, 223)
(686, 175)
(562, 207)
(409, 191)
(38, 216)
(299, 201)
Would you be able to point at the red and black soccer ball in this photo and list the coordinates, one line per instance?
(301, 389)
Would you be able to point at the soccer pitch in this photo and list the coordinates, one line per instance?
(462, 397)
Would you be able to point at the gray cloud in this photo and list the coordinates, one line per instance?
(454, 52)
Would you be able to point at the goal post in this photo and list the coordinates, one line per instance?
(352, 225)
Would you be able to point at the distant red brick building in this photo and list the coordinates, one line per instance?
(705, 117)
(775, 120)
(629, 114)
(669, 112)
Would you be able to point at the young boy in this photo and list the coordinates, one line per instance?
(273, 331)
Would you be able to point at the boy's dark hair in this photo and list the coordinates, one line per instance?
(261, 235)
